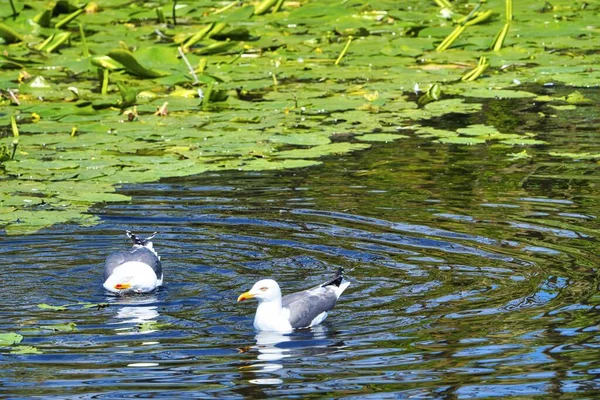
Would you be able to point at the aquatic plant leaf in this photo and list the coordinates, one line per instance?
(69, 327)
(127, 59)
(577, 98)
(7, 339)
(430, 132)
(478, 130)
(45, 306)
(151, 326)
(262, 164)
(323, 150)
(215, 47)
(451, 105)
(380, 137)
(523, 142)
(94, 197)
(301, 139)
(576, 156)
(25, 350)
(498, 94)
(9, 35)
(567, 107)
(85, 306)
(522, 155)
(461, 140)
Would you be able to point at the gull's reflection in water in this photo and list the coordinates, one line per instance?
(135, 311)
(273, 347)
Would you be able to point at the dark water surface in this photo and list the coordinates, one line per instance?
(473, 276)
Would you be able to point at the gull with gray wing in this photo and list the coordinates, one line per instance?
(297, 310)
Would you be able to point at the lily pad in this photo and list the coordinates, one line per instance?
(7, 339)
(322, 150)
(25, 350)
(380, 137)
(478, 130)
(461, 140)
(498, 94)
(69, 327)
(128, 60)
(45, 306)
(152, 326)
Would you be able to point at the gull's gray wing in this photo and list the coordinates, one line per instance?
(306, 305)
(136, 253)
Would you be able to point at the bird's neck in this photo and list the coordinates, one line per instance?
(269, 315)
(272, 307)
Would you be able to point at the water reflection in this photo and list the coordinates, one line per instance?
(133, 311)
(273, 347)
(270, 350)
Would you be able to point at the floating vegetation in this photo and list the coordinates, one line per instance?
(69, 327)
(174, 91)
(151, 326)
(10, 338)
(64, 307)
(25, 350)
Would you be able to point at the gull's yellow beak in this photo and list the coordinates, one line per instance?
(245, 296)
(122, 286)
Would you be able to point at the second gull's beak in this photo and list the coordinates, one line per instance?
(121, 286)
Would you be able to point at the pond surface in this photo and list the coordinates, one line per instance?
(472, 276)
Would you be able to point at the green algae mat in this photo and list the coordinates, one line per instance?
(97, 95)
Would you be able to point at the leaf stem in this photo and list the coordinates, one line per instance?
(104, 87)
(190, 68)
(174, 12)
(86, 51)
(14, 10)
(68, 18)
(14, 127)
(206, 98)
(344, 51)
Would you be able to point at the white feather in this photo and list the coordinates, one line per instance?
(140, 276)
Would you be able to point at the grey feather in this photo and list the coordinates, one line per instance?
(306, 305)
(136, 253)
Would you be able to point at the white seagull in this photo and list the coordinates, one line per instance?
(297, 310)
(137, 270)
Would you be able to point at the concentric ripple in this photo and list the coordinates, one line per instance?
(453, 294)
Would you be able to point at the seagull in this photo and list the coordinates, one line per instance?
(297, 310)
(137, 270)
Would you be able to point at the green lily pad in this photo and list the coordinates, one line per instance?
(576, 156)
(323, 150)
(25, 350)
(522, 155)
(478, 130)
(45, 306)
(94, 197)
(461, 140)
(523, 142)
(71, 326)
(301, 139)
(151, 326)
(498, 94)
(577, 98)
(128, 60)
(380, 137)
(7, 339)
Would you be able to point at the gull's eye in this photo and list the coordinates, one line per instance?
(264, 288)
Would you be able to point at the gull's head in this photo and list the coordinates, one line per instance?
(264, 290)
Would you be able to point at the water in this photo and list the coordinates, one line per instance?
(472, 277)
